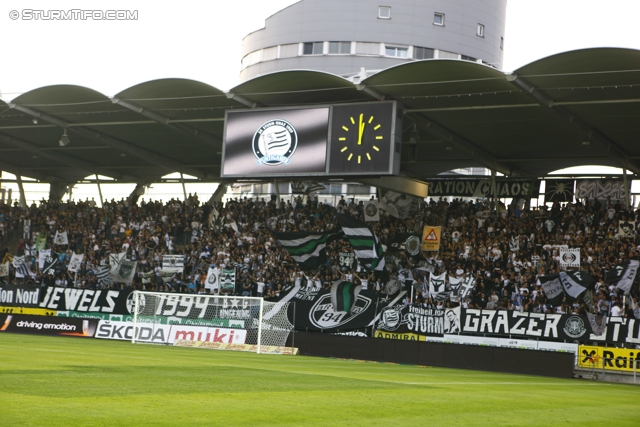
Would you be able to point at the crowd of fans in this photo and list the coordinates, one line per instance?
(475, 241)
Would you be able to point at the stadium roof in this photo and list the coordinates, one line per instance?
(571, 109)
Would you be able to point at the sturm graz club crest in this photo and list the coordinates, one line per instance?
(574, 327)
(131, 303)
(390, 318)
(322, 315)
(275, 142)
(413, 245)
(569, 257)
(125, 270)
(371, 209)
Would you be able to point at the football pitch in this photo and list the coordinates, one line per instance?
(53, 381)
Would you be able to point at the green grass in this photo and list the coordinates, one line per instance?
(52, 381)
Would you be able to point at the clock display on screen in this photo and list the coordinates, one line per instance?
(361, 139)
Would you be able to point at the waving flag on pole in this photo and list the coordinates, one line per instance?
(366, 246)
(308, 249)
(344, 295)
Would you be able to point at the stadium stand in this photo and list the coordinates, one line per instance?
(475, 241)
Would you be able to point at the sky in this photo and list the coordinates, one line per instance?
(201, 40)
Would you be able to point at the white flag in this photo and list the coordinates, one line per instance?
(125, 272)
(371, 212)
(4, 269)
(61, 238)
(213, 279)
(76, 261)
(570, 257)
(43, 256)
(436, 283)
(114, 260)
(173, 263)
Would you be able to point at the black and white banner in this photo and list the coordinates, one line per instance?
(314, 311)
(419, 320)
(530, 325)
(213, 279)
(627, 229)
(399, 205)
(125, 272)
(558, 190)
(623, 275)
(570, 257)
(85, 300)
(619, 330)
(75, 262)
(371, 211)
(20, 295)
(601, 189)
(482, 188)
(173, 263)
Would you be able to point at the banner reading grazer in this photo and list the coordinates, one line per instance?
(482, 188)
(532, 325)
(431, 238)
(47, 325)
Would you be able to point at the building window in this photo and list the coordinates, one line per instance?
(384, 12)
(422, 53)
(339, 48)
(468, 58)
(480, 30)
(502, 43)
(367, 48)
(443, 54)
(269, 53)
(251, 59)
(438, 19)
(396, 51)
(312, 48)
(289, 50)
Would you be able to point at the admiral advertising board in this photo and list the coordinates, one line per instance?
(349, 139)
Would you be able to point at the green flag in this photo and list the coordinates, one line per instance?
(41, 242)
(344, 295)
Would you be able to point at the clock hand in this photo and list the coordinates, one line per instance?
(360, 130)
